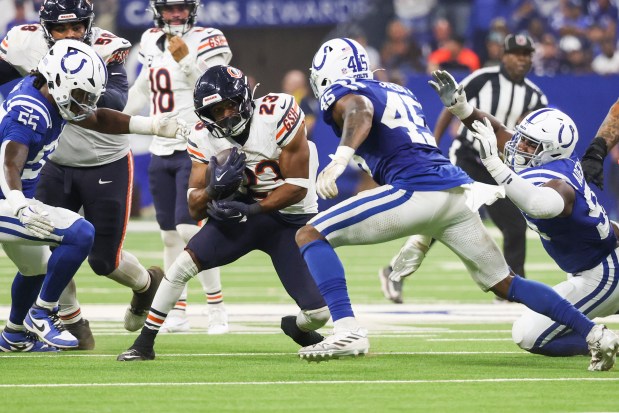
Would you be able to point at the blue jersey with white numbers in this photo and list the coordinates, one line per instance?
(29, 118)
(582, 240)
(400, 149)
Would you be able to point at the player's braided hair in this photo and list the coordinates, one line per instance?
(40, 80)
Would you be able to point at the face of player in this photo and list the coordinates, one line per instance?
(517, 64)
(527, 145)
(223, 110)
(175, 14)
(73, 30)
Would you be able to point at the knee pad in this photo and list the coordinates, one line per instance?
(520, 337)
(182, 270)
(171, 239)
(187, 231)
(81, 233)
(310, 320)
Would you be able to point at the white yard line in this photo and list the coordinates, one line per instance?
(319, 382)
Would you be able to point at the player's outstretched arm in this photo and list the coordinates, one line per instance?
(554, 198)
(454, 99)
(114, 122)
(606, 138)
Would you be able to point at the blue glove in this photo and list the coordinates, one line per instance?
(233, 211)
(225, 179)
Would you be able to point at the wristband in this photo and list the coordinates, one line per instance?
(343, 153)
(16, 200)
(302, 182)
(461, 110)
(142, 125)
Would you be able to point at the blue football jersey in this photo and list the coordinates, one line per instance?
(29, 118)
(400, 150)
(582, 240)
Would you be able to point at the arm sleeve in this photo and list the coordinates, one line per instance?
(535, 201)
(115, 96)
(138, 94)
(7, 72)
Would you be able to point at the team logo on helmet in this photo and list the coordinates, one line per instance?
(235, 73)
(71, 63)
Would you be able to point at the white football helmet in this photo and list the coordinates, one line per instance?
(76, 78)
(337, 59)
(554, 133)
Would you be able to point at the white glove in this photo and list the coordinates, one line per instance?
(325, 184)
(488, 150)
(410, 257)
(451, 93)
(166, 125)
(36, 220)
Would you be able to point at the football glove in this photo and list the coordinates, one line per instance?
(233, 211)
(451, 93)
(225, 179)
(36, 220)
(166, 125)
(593, 162)
(488, 151)
(325, 184)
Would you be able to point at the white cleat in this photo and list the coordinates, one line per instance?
(217, 321)
(603, 344)
(175, 323)
(351, 343)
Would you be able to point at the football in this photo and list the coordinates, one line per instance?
(227, 189)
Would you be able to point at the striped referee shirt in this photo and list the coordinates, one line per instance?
(490, 90)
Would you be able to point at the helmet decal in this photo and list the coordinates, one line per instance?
(234, 72)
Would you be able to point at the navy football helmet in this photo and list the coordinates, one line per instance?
(218, 84)
(157, 6)
(66, 11)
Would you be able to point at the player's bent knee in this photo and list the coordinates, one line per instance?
(521, 335)
(81, 233)
(310, 320)
(100, 265)
(306, 234)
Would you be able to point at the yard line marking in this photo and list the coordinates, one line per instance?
(320, 382)
(388, 353)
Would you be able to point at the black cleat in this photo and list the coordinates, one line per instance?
(302, 338)
(83, 334)
(133, 354)
(140, 303)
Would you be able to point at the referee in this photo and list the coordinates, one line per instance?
(504, 92)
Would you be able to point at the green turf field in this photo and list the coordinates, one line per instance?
(417, 365)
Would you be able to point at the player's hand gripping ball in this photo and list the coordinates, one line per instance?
(225, 173)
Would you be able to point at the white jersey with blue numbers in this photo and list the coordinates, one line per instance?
(400, 149)
(585, 238)
(28, 118)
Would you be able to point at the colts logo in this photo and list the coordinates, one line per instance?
(235, 73)
(325, 52)
(72, 62)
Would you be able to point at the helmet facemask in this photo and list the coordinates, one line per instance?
(54, 12)
(551, 133)
(231, 125)
(158, 6)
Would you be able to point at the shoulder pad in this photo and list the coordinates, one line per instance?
(28, 112)
(286, 114)
(111, 48)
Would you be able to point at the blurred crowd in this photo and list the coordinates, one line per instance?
(572, 36)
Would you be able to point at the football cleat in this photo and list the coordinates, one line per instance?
(603, 345)
(392, 290)
(302, 338)
(23, 341)
(134, 354)
(175, 322)
(217, 320)
(140, 303)
(81, 331)
(46, 325)
(351, 343)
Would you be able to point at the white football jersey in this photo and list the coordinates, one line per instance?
(276, 121)
(24, 46)
(171, 89)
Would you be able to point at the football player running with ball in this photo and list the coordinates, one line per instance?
(174, 55)
(268, 139)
